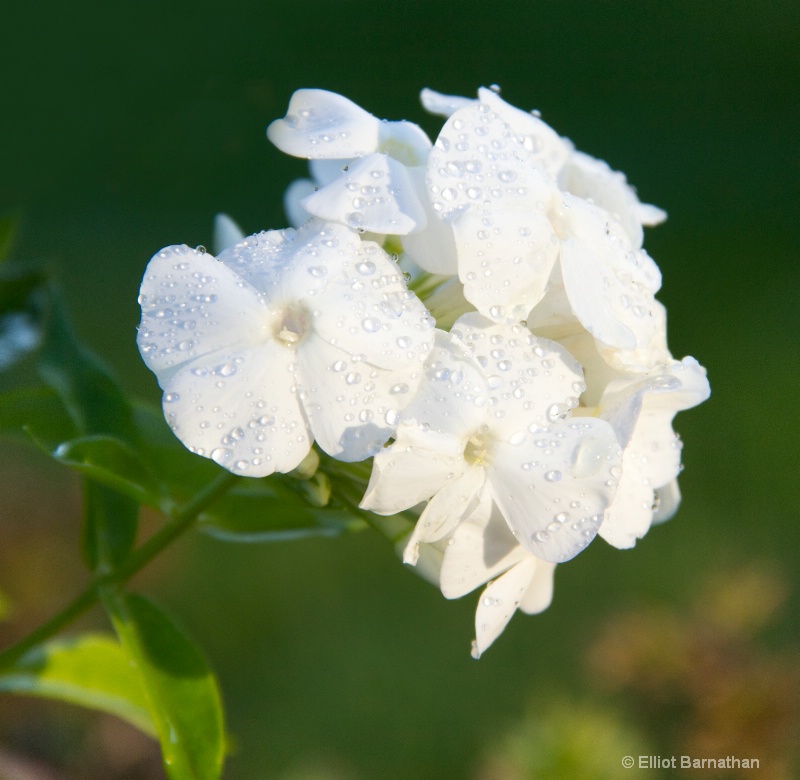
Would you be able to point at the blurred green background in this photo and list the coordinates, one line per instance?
(125, 127)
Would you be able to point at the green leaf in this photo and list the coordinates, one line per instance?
(35, 413)
(271, 512)
(111, 521)
(113, 463)
(8, 229)
(99, 409)
(182, 473)
(20, 313)
(94, 400)
(181, 691)
(91, 670)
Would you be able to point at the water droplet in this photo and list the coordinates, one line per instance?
(221, 455)
(371, 324)
(553, 476)
(557, 412)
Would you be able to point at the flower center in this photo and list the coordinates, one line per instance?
(293, 325)
(478, 452)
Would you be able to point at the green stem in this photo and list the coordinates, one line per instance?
(180, 522)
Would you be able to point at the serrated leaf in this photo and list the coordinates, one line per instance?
(181, 691)
(91, 670)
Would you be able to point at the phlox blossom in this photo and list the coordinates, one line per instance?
(288, 337)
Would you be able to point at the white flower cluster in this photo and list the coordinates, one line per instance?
(520, 388)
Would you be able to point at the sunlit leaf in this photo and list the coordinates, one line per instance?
(90, 670)
(181, 691)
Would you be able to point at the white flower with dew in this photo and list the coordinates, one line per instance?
(641, 411)
(491, 419)
(512, 224)
(288, 337)
(483, 550)
(361, 166)
(576, 172)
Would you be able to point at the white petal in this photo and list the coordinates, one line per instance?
(352, 406)
(237, 407)
(324, 125)
(548, 150)
(499, 602)
(441, 104)
(226, 233)
(532, 382)
(641, 413)
(405, 142)
(593, 179)
(553, 317)
(412, 469)
(650, 215)
(604, 278)
(480, 548)
(292, 201)
(366, 309)
(478, 161)
(376, 193)
(505, 257)
(631, 512)
(323, 172)
(453, 395)
(540, 592)
(668, 499)
(433, 248)
(193, 305)
(554, 487)
(457, 499)
(644, 357)
(290, 265)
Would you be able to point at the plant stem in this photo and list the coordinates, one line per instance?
(179, 522)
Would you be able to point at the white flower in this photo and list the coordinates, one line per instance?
(639, 394)
(512, 224)
(362, 167)
(289, 337)
(641, 411)
(483, 550)
(576, 172)
(491, 420)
